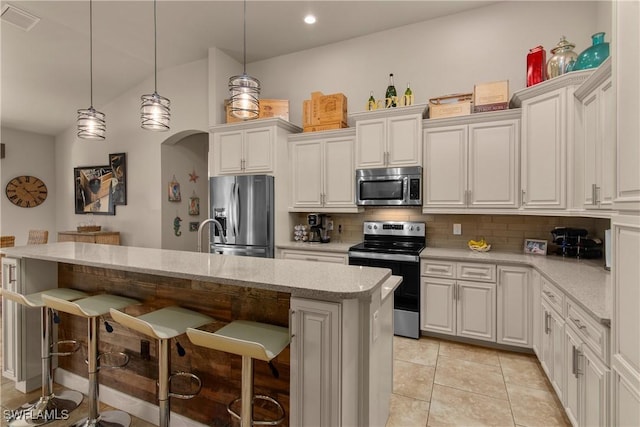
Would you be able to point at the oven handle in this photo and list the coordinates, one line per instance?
(386, 257)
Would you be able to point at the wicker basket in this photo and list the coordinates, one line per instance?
(7, 241)
(88, 228)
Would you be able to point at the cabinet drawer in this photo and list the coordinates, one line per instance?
(438, 268)
(553, 295)
(336, 258)
(476, 272)
(595, 334)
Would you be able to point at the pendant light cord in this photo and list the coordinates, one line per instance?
(91, 51)
(244, 37)
(155, 49)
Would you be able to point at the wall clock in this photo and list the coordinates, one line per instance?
(26, 191)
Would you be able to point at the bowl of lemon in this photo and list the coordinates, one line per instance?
(479, 245)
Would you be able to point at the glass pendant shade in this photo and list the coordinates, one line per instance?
(91, 124)
(245, 92)
(155, 112)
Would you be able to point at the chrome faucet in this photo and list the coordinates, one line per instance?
(218, 227)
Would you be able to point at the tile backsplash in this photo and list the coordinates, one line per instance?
(503, 232)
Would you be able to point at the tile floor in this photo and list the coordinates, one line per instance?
(436, 383)
(444, 383)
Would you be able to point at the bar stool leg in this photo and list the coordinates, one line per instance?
(247, 392)
(48, 407)
(95, 419)
(164, 362)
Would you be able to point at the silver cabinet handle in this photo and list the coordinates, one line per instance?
(547, 329)
(574, 361)
(436, 269)
(549, 294)
(598, 195)
(578, 323)
(12, 275)
(594, 197)
(524, 201)
(291, 314)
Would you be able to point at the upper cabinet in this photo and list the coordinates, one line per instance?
(595, 140)
(249, 147)
(547, 140)
(389, 138)
(472, 162)
(322, 171)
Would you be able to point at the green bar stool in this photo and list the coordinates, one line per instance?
(251, 340)
(92, 308)
(49, 407)
(163, 325)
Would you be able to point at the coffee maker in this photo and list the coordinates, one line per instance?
(318, 228)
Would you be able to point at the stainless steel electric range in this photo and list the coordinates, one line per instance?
(397, 246)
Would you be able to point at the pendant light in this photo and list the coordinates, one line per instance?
(91, 124)
(155, 112)
(244, 89)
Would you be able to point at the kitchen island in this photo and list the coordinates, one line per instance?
(337, 370)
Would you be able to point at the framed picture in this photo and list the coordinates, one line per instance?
(93, 190)
(193, 226)
(118, 162)
(194, 205)
(174, 191)
(535, 247)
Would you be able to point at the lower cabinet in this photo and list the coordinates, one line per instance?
(302, 255)
(514, 306)
(552, 346)
(536, 316)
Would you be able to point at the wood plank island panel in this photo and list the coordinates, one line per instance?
(220, 372)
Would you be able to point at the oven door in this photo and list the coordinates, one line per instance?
(406, 301)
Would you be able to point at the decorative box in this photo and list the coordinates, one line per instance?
(323, 110)
(491, 96)
(450, 105)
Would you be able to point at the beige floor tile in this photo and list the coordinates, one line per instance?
(532, 407)
(453, 407)
(405, 411)
(469, 352)
(471, 376)
(412, 380)
(524, 370)
(423, 351)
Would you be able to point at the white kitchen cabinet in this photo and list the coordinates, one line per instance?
(315, 363)
(21, 356)
(322, 172)
(625, 359)
(626, 68)
(316, 256)
(389, 138)
(250, 147)
(573, 401)
(536, 322)
(596, 122)
(514, 306)
(552, 360)
(458, 307)
(472, 166)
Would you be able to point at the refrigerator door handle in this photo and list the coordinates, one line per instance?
(236, 209)
(230, 226)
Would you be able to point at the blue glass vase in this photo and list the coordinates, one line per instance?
(594, 55)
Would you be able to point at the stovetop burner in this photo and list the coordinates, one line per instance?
(392, 238)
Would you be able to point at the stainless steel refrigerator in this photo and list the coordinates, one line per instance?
(244, 207)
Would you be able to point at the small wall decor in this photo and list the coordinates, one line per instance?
(535, 247)
(194, 204)
(174, 190)
(118, 162)
(193, 226)
(93, 191)
(176, 226)
(193, 177)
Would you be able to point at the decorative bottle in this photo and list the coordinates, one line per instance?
(371, 104)
(594, 55)
(408, 96)
(536, 64)
(563, 59)
(391, 95)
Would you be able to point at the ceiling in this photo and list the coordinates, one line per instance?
(45, 71)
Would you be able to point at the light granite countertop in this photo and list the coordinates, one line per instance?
(586, 282)
(339, 247)
(322, 281)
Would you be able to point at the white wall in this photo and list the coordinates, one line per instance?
(440, 56)
(27, 154)
(139, 222)
(179, 160)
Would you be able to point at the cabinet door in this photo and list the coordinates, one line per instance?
(608, 131)
(476, 310)
(595, 390)
(437, 306)
(573, 394)
(626, 400)
(445, 167)
(404, 143)
(11, 321)
(339, 173)
(228, 149)
(544, 151)
(494, 160)
(306, 166)
(514, 306)
(592, 158)
(258, 150)
(553, 347)
(536, 326)
(315, 363)
(371, 138)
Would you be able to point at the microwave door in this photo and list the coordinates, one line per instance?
(382, 191)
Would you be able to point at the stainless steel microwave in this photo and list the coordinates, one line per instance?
(389, 187)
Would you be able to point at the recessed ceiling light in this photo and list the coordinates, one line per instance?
(310, 19)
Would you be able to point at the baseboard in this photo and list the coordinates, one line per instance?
(132, 405)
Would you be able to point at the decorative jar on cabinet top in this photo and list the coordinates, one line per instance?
(594, 55)
(563, 58)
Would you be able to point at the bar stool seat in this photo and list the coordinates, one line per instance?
(50, 406)
(251, 340)
(165, 324)
(91, 308)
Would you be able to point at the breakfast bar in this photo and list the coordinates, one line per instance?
(336, 371)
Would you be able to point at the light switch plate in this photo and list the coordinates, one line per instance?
(457, 229)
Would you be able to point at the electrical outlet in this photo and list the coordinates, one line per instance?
(457, 229)
(330, 225)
